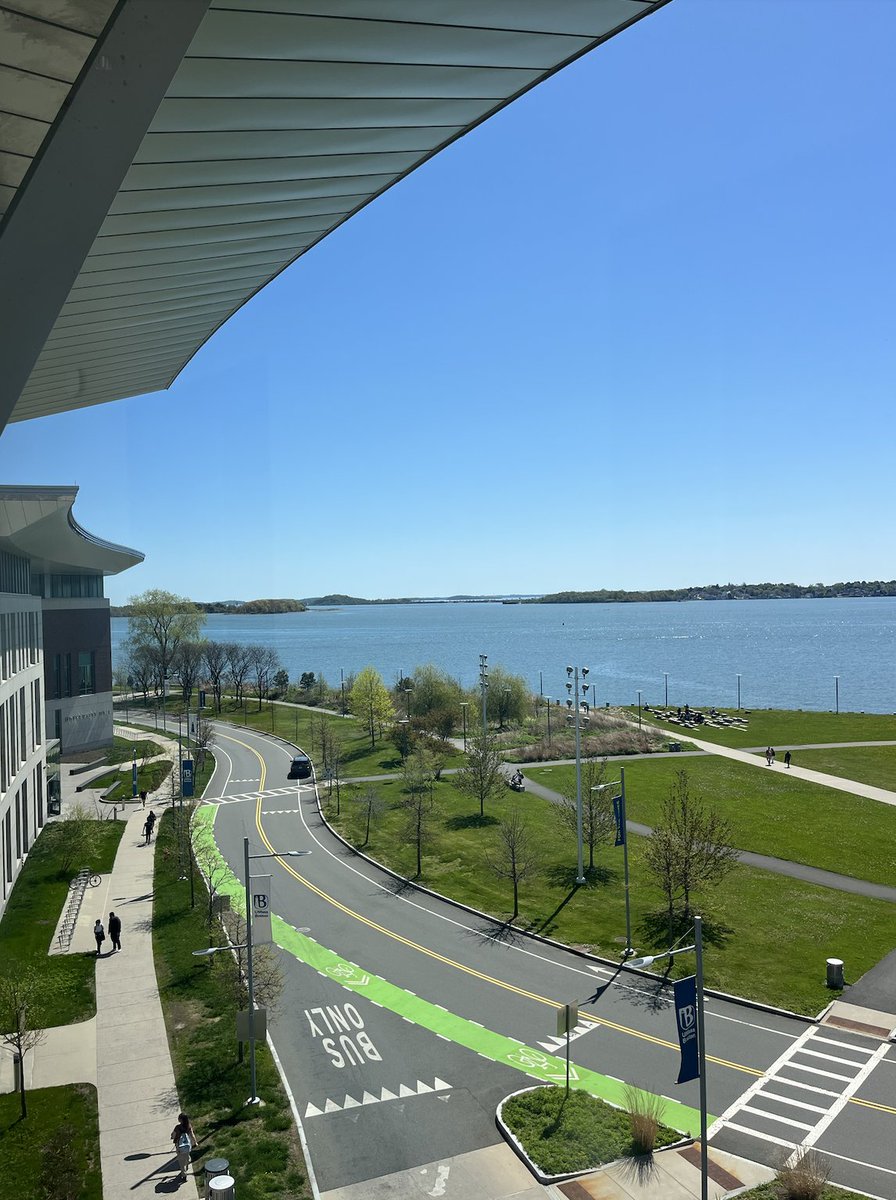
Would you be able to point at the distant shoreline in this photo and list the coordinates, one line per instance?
(759, 591)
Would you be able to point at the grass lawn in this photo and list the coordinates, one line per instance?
(770, 812)
(59, 1137)
(874, 765)
(199, 1004)
(784, 727)
(123, 750)
(149, 778)
(30, 919)
(563, 1134)
(780, 960)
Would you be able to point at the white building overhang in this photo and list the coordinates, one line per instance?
(37, 522)
(284, 119)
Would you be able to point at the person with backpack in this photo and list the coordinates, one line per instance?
(100, 934)
(184, 1140)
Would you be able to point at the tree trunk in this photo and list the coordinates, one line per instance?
(516, 899)
(22, 1085)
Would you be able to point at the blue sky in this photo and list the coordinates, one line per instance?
(636, 331)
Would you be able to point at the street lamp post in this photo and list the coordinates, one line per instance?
(701, 1038)
(666, 685)
(407, 689)
(623, 833)
(572, 687)
(247, 858)
(836, 693)
(738, 693)
(464, 705)
(483, 685)
(342, 688)
(639, 710)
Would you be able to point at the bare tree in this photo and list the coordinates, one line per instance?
(186, 663)
(372, 806)
(238, 663)
(215, 871)
(481, 778)
(690, 848)
(19, 1019)
(77, 835)
(204, 739)
(264, 664)
(418, 800)
(517, 855)
(143, 667)
(598, 821)
(216, 668)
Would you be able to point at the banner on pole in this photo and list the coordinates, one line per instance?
(260, 891)
(619, 814)
(186, 777)
(686, 1020)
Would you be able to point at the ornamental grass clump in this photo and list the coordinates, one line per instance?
(805, 1178)
(644, 1112)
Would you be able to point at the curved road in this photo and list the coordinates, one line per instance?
(406, 1019)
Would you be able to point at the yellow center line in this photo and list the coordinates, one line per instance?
(499, 983)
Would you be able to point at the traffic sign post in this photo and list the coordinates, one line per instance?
(567, 1019)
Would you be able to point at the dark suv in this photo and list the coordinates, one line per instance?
(300, 767)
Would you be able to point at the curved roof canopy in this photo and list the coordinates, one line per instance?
(284, 118)
(37, 522)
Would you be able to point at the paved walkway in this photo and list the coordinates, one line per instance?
(123, 1050)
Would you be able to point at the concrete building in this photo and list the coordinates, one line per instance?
(55, 655)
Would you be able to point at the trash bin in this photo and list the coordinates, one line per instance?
(221, 1188)
(835, 973)
(214, 1167)
(54, 807)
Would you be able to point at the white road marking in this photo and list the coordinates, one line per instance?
(765, 1137)
(844, 1098)
(793, 1103)
(761, 1112)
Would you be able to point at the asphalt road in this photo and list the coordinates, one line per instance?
(405, 1019)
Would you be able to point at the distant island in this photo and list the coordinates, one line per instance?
(726, 591)
(235, 608)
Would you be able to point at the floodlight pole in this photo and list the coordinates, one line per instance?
(464, 705)
(483, 685)
(666, 682)
(573, 689)
(701, 1051)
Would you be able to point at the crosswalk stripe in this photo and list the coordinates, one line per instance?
(788, 1100)
(843, 1045)
(815, 1071)
(761, 1112)
(844, 1062)
(766, 1137)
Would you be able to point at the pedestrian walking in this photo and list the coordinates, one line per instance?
(143, 798)
(149, 826)
(147, 830)
(771, 756)
(100, 934)
(115, 931)
(787, 759)
(184, 1140)
(768, 756)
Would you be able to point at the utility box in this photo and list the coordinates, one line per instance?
(835, 973)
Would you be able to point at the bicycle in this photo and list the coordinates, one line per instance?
(89, 877)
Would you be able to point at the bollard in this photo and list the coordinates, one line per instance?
(835, 973)
(221, 1187)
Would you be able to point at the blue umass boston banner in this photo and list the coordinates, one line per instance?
(620, 821)
(686, 1020)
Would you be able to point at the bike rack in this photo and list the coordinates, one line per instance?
(76, 894)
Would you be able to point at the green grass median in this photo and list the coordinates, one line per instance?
(57, 1146)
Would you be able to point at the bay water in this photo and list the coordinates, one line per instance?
(787, 652)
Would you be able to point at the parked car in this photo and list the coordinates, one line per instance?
(300, 767)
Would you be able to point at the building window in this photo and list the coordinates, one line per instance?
(86, 672)
(67, 682)
(57, 725)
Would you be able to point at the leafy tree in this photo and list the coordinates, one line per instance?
(78, 837)
(204, 739)
(418, 800)
(281, 682)
(20, 1018)
(690, 849)
(481, 778)
(307, 680)
(402, 735)
(598, 821)
(369, 700)
(162, 620)
(517, 855)
(143, 667)
(433, 690)
(508, 699)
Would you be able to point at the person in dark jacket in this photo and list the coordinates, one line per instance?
(115, 930)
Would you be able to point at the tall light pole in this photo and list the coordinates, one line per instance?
(622, 833)
(483, 685)
(342, 688)
(464, 705)
(407, 700)
(701, 1038)
(836, 693)
(666, 684)
(639, 710)
(548, 699)
(247, 858)
(575, 701)
(738, 693)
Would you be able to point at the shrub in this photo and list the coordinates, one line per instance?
(805, 1178)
